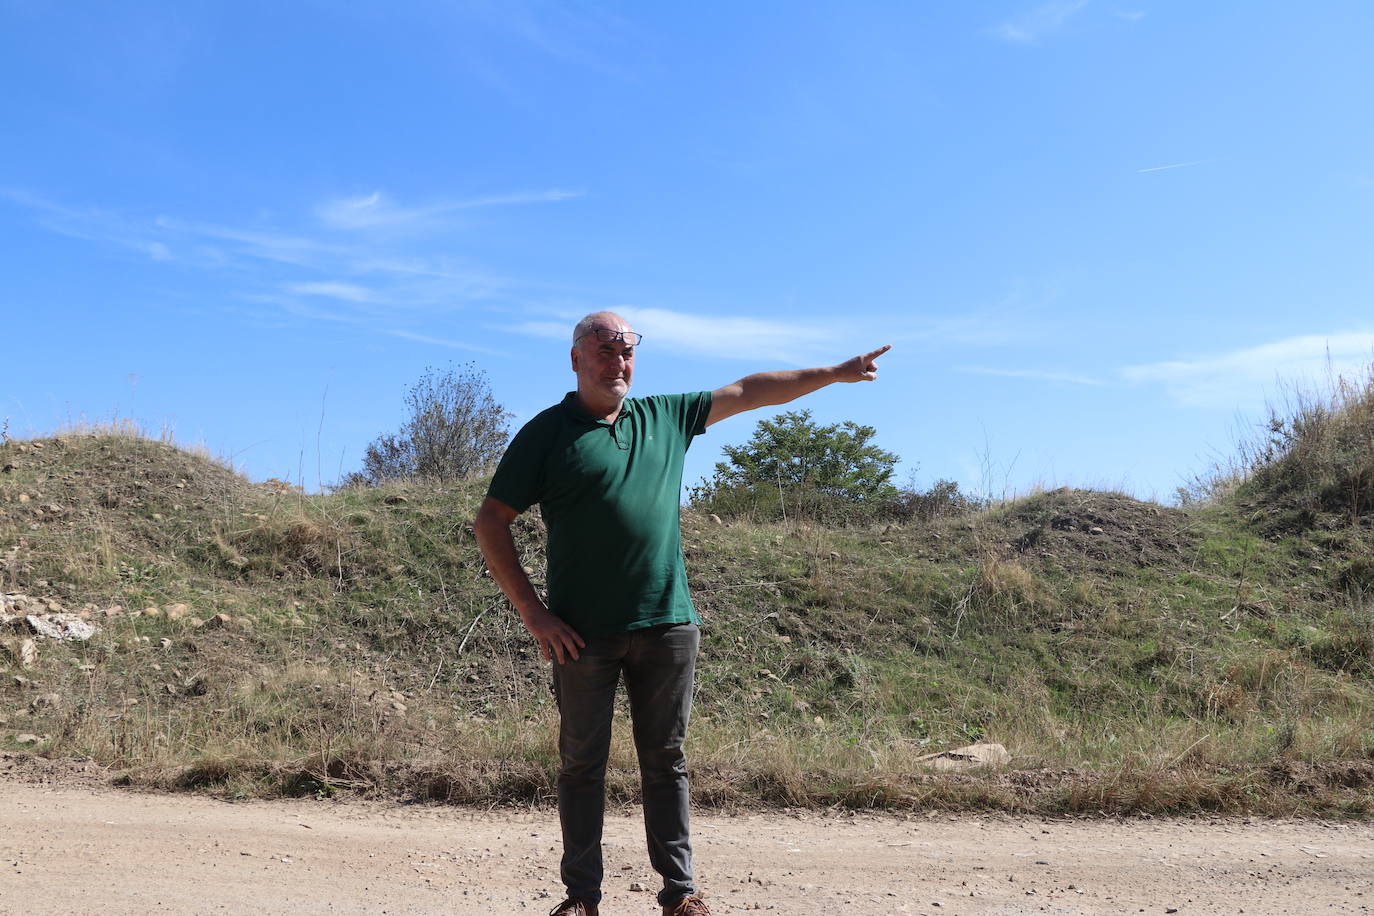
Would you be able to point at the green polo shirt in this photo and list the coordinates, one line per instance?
(609, 494)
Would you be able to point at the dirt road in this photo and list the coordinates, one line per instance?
(91, 850)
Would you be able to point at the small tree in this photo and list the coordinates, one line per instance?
(455, 429)
(793, 467)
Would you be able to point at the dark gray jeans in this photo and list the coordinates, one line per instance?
(658, 664)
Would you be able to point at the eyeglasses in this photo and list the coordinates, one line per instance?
(606, 335)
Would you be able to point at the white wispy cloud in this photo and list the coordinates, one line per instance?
(349, 292)
(1036, 374)
(582, 36)
(801, 341)
(1039, 22)
(794, 342)
(553, 195)
(408, 285)
(1176, 165)
(257, 244)
(283, 304)
(415, 276)
(91, 224)
(990, 326)
(308, 273)
(548, 329)
(365, 212)
(1241, 377)
(708, 334)
(441, 341)
(378, 211)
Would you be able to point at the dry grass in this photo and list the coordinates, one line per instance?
(1311, 465)
(1129, 656)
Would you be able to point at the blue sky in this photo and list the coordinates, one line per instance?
(1098, 235)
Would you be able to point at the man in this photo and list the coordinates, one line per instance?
(606, 471)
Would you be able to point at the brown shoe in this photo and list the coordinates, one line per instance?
(574, 906)
(687, 906)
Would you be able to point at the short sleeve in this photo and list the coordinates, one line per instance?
(696, 409)
(519, 478)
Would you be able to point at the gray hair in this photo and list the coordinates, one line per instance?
(592, 321)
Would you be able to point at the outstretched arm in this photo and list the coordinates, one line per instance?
(556, 639)
(767, 389)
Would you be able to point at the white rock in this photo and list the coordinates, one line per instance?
(59, 626)
(43, 626)
(46, 625)
(968, 757)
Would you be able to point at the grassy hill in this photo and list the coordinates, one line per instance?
(1132, 657)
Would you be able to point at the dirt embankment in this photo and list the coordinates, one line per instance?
(87, 849)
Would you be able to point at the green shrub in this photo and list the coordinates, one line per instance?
(792, 468)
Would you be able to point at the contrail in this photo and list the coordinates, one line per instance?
(1176, 165)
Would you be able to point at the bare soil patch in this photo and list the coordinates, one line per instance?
(1104, 532)
(82, 849)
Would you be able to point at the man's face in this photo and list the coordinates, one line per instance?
(604, 368)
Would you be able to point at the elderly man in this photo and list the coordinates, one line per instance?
(606, 471)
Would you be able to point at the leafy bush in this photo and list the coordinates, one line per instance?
(793, 468)
(942, 500)
(455, 429)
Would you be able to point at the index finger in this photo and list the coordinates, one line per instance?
(868, 358)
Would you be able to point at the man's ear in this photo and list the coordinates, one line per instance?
(574, 358)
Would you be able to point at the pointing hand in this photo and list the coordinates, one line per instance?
(862, 368)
